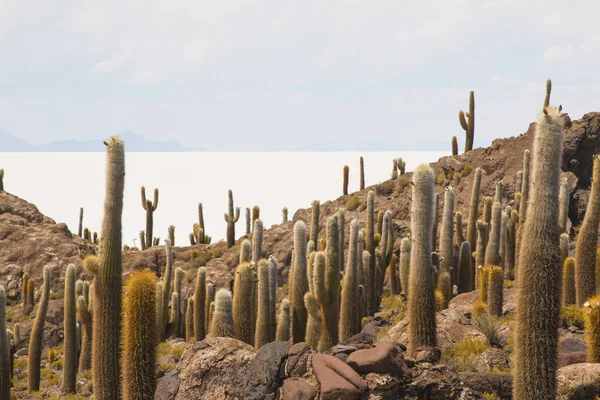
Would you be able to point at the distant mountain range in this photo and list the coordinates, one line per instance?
(133, 142)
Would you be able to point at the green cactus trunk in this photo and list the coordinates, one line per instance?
(272, 297)
(283, 325)
(564, 253)
(421, 302)
(69, 376)
(436, 216)
(85, 316)
(447, 233)
(484, 283)
(474, 209)
(313, 325)
(564, 198)
(150, 207)
(5, 365)
(459, 236)
(511, 242)
(465, 269)
(495, 291)
(314, 221)
(257, 239)
(327, 291)
(523, 206)
(231, 219)
(362, 173)
(243, 305)
(37, 335)
(189, 320)
(350, 308)
(405, 246)
(346, 177)
(171, 234)
(568, 282)
(454, 146)
(263, 317)
(209, 299)
(299, 283)
(341, 214)
(167, 284)
(178, 307)
(284, 215)
(80, 228)
(370, 247)
(248, 222)
(199, 299)
(222, 319)
(469, 126)
(587, 242)
(492, 252)
(139, 338)
(445, 287)
(482, 228)
(539, 269)
(592, 329)
(503, 224)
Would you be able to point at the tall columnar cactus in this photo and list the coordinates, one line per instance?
(255, 215)
(37, 335)
(263, 316)
(222, 319)
(299, 283)
(313, 324)
(395, 285)
(284, 215)
(379, 224)
(273, 265)
(518, 181)
(171, 234)
(202, 238)
(209, 299)
(346, 177)
(1, 179)
(495, 291)
(80, 229)
(592, 329)
(465, 269)
(587, 241)
(178, 307)
(474, 209)
(25, 293)
(245, 251)
(468, 126)
(199, 299)
(482, 228)
(539, 270)
(362, 173)
(503, 224)
(492, 251)
(85, 317)
(436, 215)
(459, 235)
(107, 283)
(341, 215)
(5, 369)
(523, 204)
(167, 285)
(69, 376)
(189, 320)
(159, 309)
(454, 146)
(283, 325)
(370, 247)
(564, 197)
(405, 248)
(174, 317)
(487, 209)
(248, 221)
(143, 240)
(349, 311)
(484, 282)
(564, 252)
(447, 232)
(243, 306)
(86, 235)
(568, 282)
(257, 239)
(444, 285)
(150, 207)
(511, 242)
(231, 219)
(314, 221)
(139, 337)
(327, 288)
(421, 300)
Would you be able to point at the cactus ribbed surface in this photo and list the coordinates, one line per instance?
(436, 216)
(465, 269)
(523, 205)
(447, 232)
(245, 251)
(539, 269)
(474, 209)
(283, 325)
(405, 246)
(272, 297)
(370, 247)
(313, 324)
(341, 214)
(199, 299)
(171, 234)
(80, 228)
(108, 281)
(177, 288)
(263, 316)
(495, 291)
(502, 250)
(459, 235)
(564, 252)
(243, 287)
(492, 251)
(167, 284)
(468, 126)
(346, 177)
(174, 318)
(5, 365)
(284, 214)
(592, 329)
(327, 291)
(222, 319)
(445, 287)
(248, 221)
(231, 219)
(139, 337)
(257, 239)
(189, 320)
(421, 302)
(362, 174)
(587, 241)
(482, 228)
(299, 283)
(511, 242)
(255, 215)
(564, 197)
(37, 335)
(85, 316)
(150, 207)
(484, 282)
(454, 146)
(209, 299)
(350, 309)
(69, 375)
(314, 221)
(568, 282)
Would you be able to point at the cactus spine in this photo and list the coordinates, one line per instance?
(5, 365)
(469, 126)
(199, 299)
(346, 177)
(257, 239)
(538, 290)
(587, 241)
(37, 335)
(150, 207)
(139, 337)
(171, 234)
(283, 325)
(362, 173)
(465, 269)
(421, 302)
(564, 194)
(370, 247)
(592, 329)
(263, 317)
(231, 219)
(405, 246)
(568, 282)
(222, 319)
(69, 376)
(447, 234)
(350, 310)
(299, 283)
(474, 209)
(495, 291)
(492, 252)
(436, 208)
(242, 305)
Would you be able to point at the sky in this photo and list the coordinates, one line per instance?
(292, 75)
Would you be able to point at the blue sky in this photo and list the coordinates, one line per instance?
(285, 75)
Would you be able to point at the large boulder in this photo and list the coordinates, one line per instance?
(337, 381)
(384, 358)
(493, 359)
(578, 382)
(293, 389)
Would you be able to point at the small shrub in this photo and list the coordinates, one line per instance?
(479, 308)
(467, 169)
(285, 288)
(439, 300)
(489, 326)
(403, 182)
(385, 189)
(352, 203)
(463, 353)
(497, 143)
(508, 284)
(572, 315)
(491, 396)
(164, 368)
(440, 178)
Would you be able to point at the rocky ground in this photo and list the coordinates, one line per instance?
(30, 240)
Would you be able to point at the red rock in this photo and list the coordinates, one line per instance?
(294, 389)
(384, 358)
(336, 379)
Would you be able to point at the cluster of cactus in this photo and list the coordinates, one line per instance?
(27, 292)
(150, 207)
(398, 167)
(198, 235)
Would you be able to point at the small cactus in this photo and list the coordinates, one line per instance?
(257, 239)
(484, 281)
(222, 319)
(482, 229)
(492, 251)
(346, 177)
(454, 146)
(568, 282)
(284, 215)
(209, 299)
(85, 316)
(231, 219)
(171, 234)
(245, 251)
(459, 236)
(362, 173)
(248, 221)
(468, 126)
(465, 269)
(37, 335)
(445, 287)
(80, 228)
(314, 221)
(149, 207)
